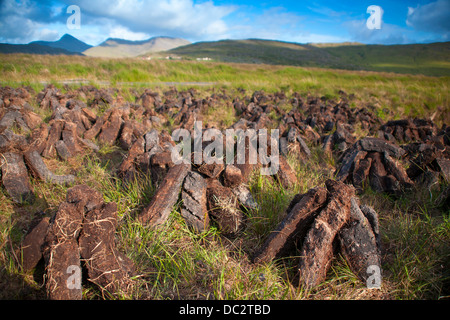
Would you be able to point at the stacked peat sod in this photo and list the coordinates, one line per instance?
(320, 121)
(323, 222)
(215, 192)
(429, 160)
(429, 157)
(80, 236)
(427, 151)
(407, 130)
(20, 154)
(69, 132)
(73, 124)
(374, 162)
(309, 122)
(323, 115)
(378, 162)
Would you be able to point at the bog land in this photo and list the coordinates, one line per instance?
(354, 139)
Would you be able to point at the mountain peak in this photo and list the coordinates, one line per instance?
(67, 36)
(66, 42)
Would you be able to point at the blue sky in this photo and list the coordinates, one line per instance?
(403, 21)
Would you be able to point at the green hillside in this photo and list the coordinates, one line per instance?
(428, 59)
(260, 51)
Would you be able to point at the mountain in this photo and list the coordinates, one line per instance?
(67, 42)
(66, 45)
(428, 59)
(119, 48)
(33, 48)
(112, 48)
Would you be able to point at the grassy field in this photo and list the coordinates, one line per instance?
(394, 95)
(173, 262)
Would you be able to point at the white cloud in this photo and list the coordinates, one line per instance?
(123, 33)
(22, 21)
(182, 18)
(20, 29)
(25, 21)
(46, 34)
(431, 17)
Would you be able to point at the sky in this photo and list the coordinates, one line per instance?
(401, 21)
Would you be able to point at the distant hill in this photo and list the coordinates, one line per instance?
(335, 44)
(67, 42)
(428, 59)
(431, 59)
(119, 48)
(33, 48)
(258, 51)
